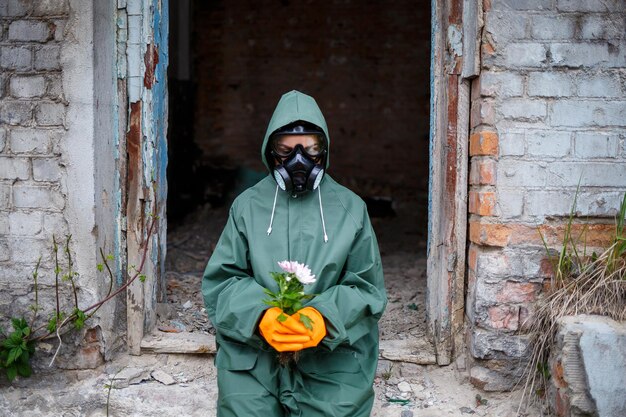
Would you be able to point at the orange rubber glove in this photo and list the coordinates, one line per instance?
(317, 322)
(288, 336)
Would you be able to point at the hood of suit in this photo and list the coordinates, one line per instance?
(294, 106)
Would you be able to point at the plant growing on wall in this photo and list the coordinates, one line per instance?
(18, 346)
(581, 283)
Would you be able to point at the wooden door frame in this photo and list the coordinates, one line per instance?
(454, 62)
(455, 40)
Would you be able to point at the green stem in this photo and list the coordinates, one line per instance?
(36, 307)
(69, 268)
(56, 275)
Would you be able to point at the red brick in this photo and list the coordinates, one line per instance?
(482, 203)
(484, 143)
(515, 234)
(517, 292)
(91, 336)
(472, 257)
(482, 172)
(504, 317)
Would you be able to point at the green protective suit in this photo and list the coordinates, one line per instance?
(335, 378)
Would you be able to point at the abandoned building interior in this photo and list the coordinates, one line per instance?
(368, 68)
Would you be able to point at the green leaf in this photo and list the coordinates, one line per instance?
(281, 317)
(306, 320)
(52, 325)
(13, 355)
(142, 278)
(18, 324)
(100, 267)
(24, 369)
(11, 372)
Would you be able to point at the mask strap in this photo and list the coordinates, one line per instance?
(319, 194)
(269, 229)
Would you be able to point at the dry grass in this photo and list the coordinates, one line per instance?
(581, 284)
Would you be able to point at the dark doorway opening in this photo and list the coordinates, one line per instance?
(367, 64)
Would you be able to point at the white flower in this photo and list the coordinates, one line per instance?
(301, 271)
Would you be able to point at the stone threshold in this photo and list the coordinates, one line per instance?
(419, 351)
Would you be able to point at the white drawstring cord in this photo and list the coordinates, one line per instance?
(269, 229)
(319, 194)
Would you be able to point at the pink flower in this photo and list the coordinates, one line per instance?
(301, 271)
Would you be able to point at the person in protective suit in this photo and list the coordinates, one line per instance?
(297, 213)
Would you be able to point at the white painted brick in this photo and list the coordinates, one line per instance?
(552, 26)
(29, 30)
(27, 86)
(501, 84)
(601, 26)
(509, 204)
(599, 85)
(50, 8)
(512, 144)
(533, 5)
(3, 78)
(581, 54)
(55, 223)
(588, 113)
(48, 58)
(55, 87)
(14, 168)
(523, 109)
(28, 196)
(604, 203)
(59, 31)
(550, 84)
(4, 222)
(5, 251)
(17, 8)
(525, 55)
(589, 5)
(30, 141)
(5, 196)
(50, 114)
(23, 223)
(548, 203)
(560, 203)
(514, 173)
(15, 112)
(596, 145)
(46, 169)
(505, 26)
(27, 250)
(16, 58)
(548, 143)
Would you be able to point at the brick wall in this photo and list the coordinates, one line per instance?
(32, 123)
(548, 111)
(367, 65)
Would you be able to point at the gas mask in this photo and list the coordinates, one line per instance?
(298, 171)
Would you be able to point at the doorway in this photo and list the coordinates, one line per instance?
(368, 67)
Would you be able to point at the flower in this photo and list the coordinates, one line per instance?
(301, 271)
